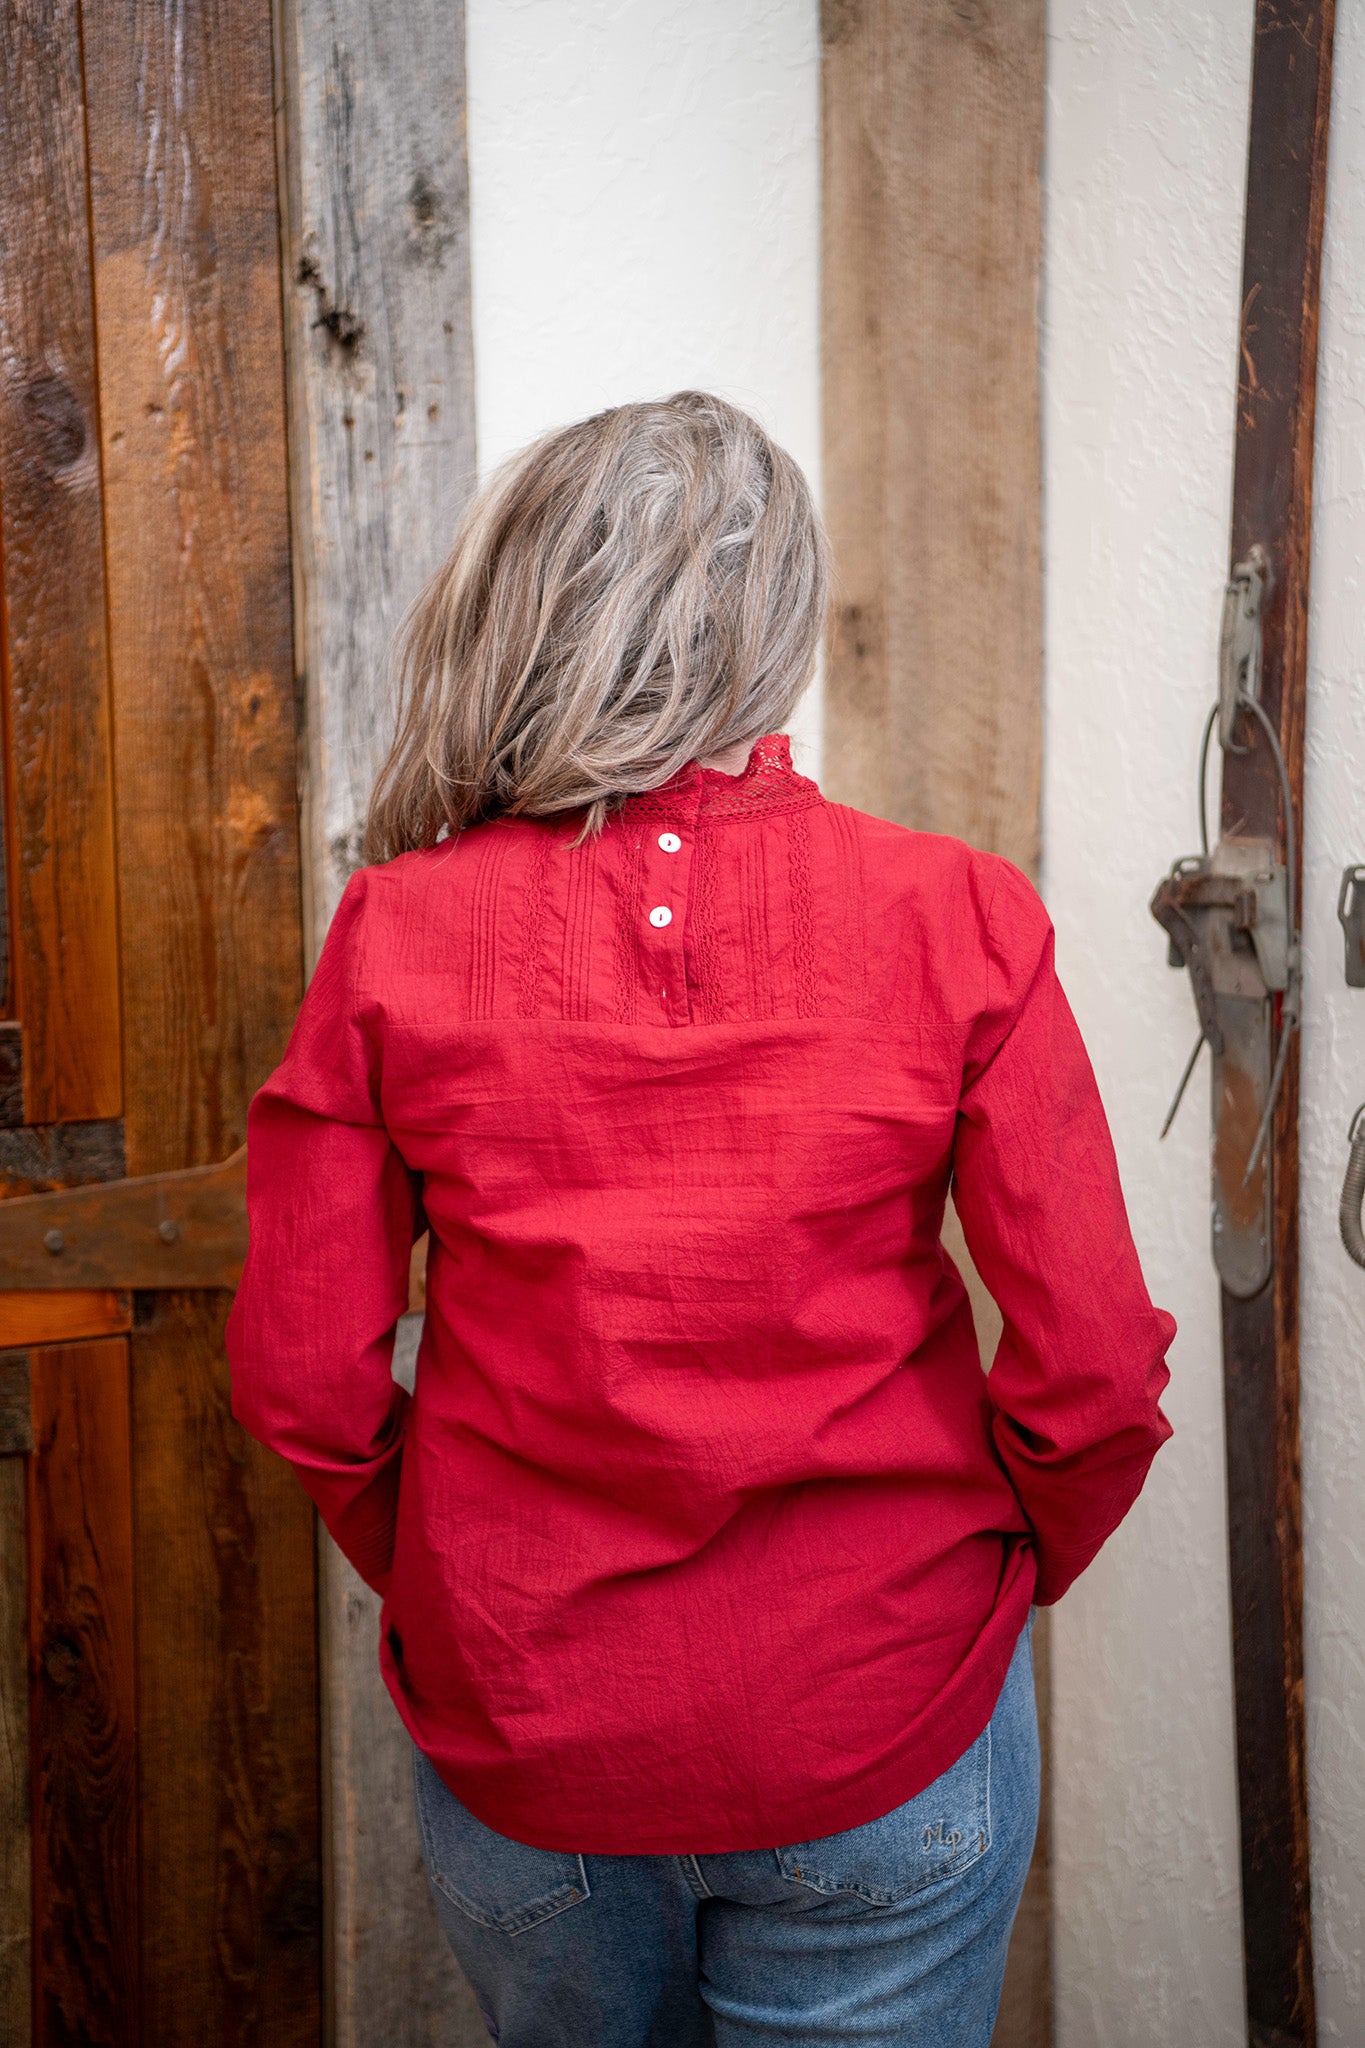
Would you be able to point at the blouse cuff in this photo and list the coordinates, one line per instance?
(363, 1524)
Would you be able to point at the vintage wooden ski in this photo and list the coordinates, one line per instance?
(1232, 915)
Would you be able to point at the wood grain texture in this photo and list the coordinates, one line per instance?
(186, 249)
(392, 1980)
(185, 230)
(1272, 507)
(1025, 2016)
(82, 1703)
(16, 1833)
(44, 1156)
(16, 1408)
(933, 121)
(381, 372)
(11, 1033)
(63, 945)
(380, 357)
(931, 246)
(186, 1228)
(227, 1691)
(61, 1318)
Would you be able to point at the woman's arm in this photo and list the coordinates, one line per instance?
(1080, 1369)
(333, 1212)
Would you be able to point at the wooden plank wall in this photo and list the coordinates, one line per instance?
(185, 239)
(932, 147)
(65, 1624)
(933, 128)
(16, 1825)
(227, 1708)
(64, 963)
(380, 355)
(85, 1735)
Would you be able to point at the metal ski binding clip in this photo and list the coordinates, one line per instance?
(1229, 918)
(1351, 913)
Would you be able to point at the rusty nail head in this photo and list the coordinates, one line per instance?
(54, 1241)
(168, 1231)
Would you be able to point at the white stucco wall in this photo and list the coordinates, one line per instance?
(1145, 169)
(644, 214)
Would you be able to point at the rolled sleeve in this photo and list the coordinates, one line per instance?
(1080, 1368)
(332, 1211)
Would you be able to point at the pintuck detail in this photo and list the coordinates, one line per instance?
(485, 925)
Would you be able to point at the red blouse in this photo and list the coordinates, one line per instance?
(704, 1529)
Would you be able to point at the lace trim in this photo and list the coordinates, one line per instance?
(529, 991)
(803, 918)
(769, 783)
(706, 868)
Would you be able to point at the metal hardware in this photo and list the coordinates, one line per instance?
(1229, 917)
(185, 1229)
(1353, 1191)
(1239, 643)
(1351, 912)
(1226, 917)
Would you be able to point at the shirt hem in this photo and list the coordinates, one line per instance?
(803, 1814)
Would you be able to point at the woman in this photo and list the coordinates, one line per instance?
(707, 1549)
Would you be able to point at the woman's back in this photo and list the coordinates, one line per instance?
(712, 1533)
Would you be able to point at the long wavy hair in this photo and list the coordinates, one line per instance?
(643, 589)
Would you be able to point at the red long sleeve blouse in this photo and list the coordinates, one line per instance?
(704, 1528)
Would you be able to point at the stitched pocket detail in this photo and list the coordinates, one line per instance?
(935, 1836)
(494, 1881)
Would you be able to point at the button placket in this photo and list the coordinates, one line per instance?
(665, 886)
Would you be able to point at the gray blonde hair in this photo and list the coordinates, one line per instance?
(628, 594)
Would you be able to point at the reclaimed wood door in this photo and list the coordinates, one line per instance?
(159, 1851)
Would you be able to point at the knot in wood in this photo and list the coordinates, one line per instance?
(55, 423)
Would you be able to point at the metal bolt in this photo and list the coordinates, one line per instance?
(168, 1231)
(54, 1241)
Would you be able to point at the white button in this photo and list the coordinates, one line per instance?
(670, 842)
(662, 916)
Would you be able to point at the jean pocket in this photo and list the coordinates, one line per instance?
(936, 1835)
(495, 1882)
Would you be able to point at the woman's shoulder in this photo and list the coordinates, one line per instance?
(452, 864)
(942, 878)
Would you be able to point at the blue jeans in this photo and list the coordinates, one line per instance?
(892, 1933)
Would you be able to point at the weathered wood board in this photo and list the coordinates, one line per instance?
(1272, 504)
(63, 975)
(226, 1702)
(932, 227)
(376, 278)
(16, 1827)
(185, 234)
(184, 227)
(381, 373)
(84, 1718)
(61, 1318)
(60, 1076)
(933, 122)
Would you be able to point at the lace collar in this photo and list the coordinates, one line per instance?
(768, 783)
